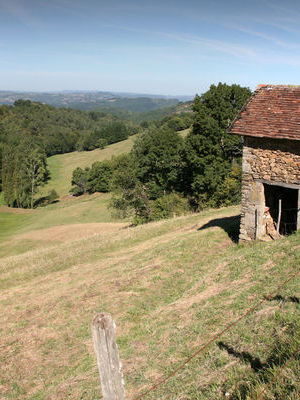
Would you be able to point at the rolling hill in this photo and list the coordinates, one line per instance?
(171, 287)
(93, 100)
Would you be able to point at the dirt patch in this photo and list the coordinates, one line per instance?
(187, 301)
(66, 233)
(269, 264)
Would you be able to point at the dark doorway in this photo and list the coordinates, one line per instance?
(289, 206)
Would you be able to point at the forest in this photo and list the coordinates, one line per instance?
(164, 174)
(30, 132)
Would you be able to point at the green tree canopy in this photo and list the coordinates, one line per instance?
(210, 152)
(158, 161)
(24, 171)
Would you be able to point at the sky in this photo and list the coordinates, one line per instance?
(170, 47)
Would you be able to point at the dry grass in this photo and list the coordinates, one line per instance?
(69, 233)
(168, 285)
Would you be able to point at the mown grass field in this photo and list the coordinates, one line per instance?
(18, 226)
(62, 165)
(170, 286)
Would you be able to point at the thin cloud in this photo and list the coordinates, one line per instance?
(284, 8)
(242, 52)
(16, 9)
(275, 40)
(218, 45)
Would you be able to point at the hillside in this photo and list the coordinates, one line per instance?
(62, 165)
(170, 286)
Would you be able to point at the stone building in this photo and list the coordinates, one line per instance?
(270, 124)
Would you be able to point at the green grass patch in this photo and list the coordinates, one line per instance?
(62, 165)
(10, 223)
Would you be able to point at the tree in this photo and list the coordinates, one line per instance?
(158, 161)
(0, 167)
(34, 171)
(9, 171)
(79, 181)
(98, 177)
(150, 172)
(210, 152)
(222, 103)
(24, 171)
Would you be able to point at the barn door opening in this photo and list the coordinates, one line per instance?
(289, 206)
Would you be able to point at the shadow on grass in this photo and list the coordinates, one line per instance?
(244, 356)
(231, 226)
(44, 201)
(284, 349)
(291, 299)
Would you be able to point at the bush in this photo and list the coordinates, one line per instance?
(170, 205)
(99, 176)
(102, 143)
(79, 181)
(51, 197)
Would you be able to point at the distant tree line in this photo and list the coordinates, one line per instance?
(165, 174)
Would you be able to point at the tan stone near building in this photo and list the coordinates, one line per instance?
(270, 124)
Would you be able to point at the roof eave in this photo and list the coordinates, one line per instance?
(263, 135)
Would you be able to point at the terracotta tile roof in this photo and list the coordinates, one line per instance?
(272, 111)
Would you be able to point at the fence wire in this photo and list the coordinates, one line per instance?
(276, 376)
(214, 338)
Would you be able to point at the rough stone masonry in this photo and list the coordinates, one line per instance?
(265, 160)
(270, 124)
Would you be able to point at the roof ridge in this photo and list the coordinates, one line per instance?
(268, 85)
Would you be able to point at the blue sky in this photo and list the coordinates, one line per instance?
(164, 47)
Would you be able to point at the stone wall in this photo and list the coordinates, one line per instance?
(272, 160)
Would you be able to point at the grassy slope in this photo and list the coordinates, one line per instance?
(62, 165)
(15, 225)
(170, 286)
(85, 209)
(69, 210)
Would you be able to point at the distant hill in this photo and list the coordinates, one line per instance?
(153, 115)
(94, 100)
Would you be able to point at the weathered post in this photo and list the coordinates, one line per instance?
(279, 217)
(256, 227)
(106, 349)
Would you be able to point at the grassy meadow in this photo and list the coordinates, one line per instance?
(62, 165)
(17, 224)
(170, 285)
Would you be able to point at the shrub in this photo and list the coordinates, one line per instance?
(170, 205)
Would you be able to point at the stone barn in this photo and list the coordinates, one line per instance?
(270, 125)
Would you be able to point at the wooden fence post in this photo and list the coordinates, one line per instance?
(279, 217)
(106, 349)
